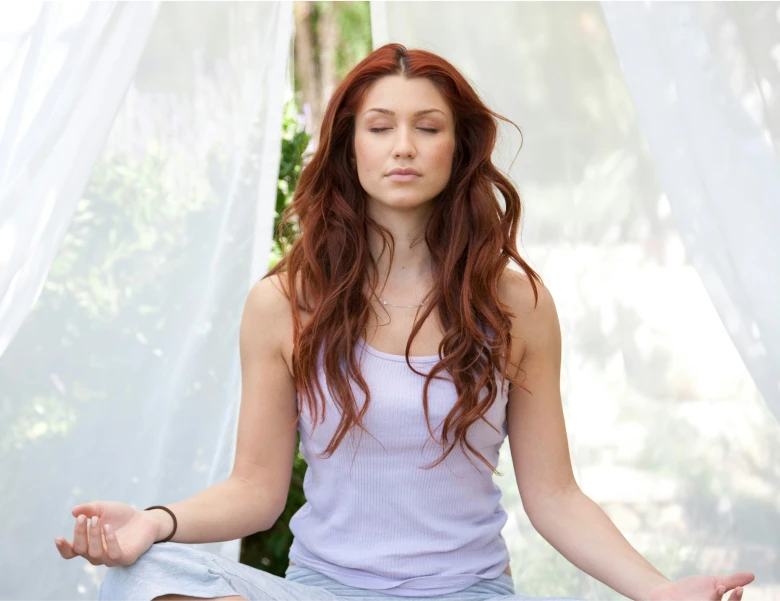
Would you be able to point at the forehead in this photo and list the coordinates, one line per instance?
(404, 97)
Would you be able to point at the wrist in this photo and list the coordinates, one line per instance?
(655, 589)
(162, 521)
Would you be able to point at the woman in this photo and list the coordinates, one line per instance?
(407, 325)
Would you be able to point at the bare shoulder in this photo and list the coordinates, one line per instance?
(516, 291)
(535, 322)
(267, 300)
(268, 312)
(267, 317)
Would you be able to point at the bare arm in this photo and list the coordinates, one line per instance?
(253, 497)
(224, 511)
(569, 520)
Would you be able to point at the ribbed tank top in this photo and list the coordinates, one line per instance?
(372, 518)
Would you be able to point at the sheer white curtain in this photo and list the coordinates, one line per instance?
(705, 102)
(669, 432)
(65, 69)
(154, 193)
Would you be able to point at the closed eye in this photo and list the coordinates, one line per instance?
(377, 130)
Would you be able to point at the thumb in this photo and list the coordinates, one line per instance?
(88, 509)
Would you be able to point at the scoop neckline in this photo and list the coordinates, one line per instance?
(392, 357)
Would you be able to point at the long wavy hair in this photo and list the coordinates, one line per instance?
(470, 234)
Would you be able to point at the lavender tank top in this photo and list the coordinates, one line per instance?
(373, 518)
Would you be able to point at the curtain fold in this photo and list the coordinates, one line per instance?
(718, 168)
(65, 75)
(141, 214)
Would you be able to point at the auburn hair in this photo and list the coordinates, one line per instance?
(470, 234)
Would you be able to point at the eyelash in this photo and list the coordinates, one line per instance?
(377, 130)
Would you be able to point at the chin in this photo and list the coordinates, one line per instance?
(404, 202)
(403, 199)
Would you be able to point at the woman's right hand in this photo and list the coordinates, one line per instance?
(129, 534)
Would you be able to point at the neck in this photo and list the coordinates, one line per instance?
(409, 276)
(412, 258)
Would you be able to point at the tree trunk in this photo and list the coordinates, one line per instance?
(328, 39)
(305, 71)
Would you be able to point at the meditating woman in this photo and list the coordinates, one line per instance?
(397, 339)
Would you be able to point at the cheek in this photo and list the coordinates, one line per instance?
(443, 154)
(367, 156)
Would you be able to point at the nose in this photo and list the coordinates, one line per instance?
(404, 145)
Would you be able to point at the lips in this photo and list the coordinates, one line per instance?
(406, 171)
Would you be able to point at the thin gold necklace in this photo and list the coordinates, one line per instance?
(384, 302)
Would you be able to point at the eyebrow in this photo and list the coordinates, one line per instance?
(417, 114)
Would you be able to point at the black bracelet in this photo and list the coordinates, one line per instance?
(170, 536)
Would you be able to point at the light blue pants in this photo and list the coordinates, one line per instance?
(175, 568)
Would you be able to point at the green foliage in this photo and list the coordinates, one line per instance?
(353, 20)
(268, 550)
(294, 143)
(355, 42)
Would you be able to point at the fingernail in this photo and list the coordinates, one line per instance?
(81, 519)
(106, 528)
(721, 590)
(94, 521)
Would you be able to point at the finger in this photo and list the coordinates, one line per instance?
(736, 579)
(95, 539)
(80, 542)
(65, 548)
(736, 594)
(88, 509)
(113, 550)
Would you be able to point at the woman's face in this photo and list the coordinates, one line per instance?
(414, 129)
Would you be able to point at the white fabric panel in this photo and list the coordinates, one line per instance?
(719, 173)
(64, 75)
(668, 430)
(123, 382)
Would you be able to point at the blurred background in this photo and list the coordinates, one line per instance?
(148, 149)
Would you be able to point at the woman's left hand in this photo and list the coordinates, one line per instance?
(709, 588)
